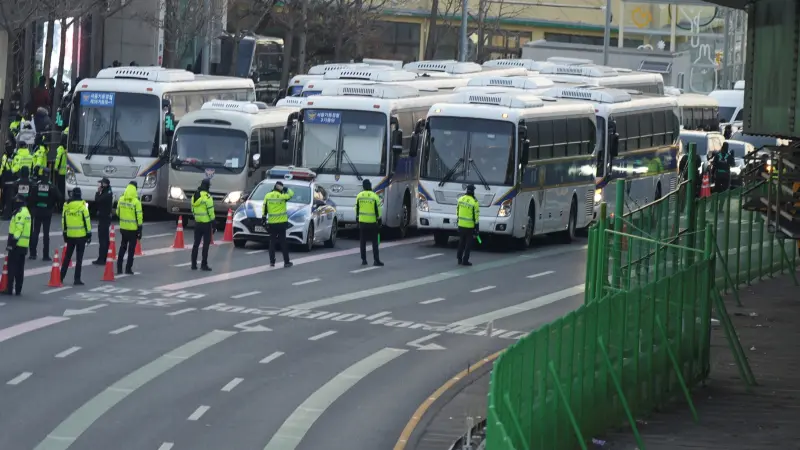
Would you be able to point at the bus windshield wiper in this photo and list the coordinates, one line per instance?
(452, 172)
(325, 161)
(352, 166)
(480, 175)
(121, 145)
(96, 145)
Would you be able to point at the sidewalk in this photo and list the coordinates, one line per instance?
(730, 417)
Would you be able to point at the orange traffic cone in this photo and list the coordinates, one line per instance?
(4, 278)
(112, 242)
(179, 234)
(64, 256)
(55, 273)
(108, 275)
(705, 188)
(138, 251)
(228, 236)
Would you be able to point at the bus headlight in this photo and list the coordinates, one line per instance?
(70, 178)
(233, 197)
(422, 203)
(150, 180)
(598, 196)
(505, 208)
(176, 193)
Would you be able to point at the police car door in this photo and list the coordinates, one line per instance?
(318, 211)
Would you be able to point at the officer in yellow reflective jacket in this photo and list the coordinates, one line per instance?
(19, 234)
(39, 160)
(8, 178)
(129, 211)
(368, 215)
(77, 233)
(275, 219)
(469, 212)
(60, 165)
(203, 212)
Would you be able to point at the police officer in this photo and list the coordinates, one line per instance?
(40, 158)
(276, 221)
(8, 178)
(77, 233)
(24, 184)
(722, 163)
(469, 211)
(60, 165)
(368, 215)
(103, 201)
(19, 234)
(203, 212)
(25, 139)
(129, 211)
(42, 201)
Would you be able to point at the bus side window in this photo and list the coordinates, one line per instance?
(624, 134)
(283, 157)
(545, 129)
(659, 128)
(646, 130)
(255, 146)
(269, 151)
(632, 122)
(406, 122)
(575, 136)
(560, 138)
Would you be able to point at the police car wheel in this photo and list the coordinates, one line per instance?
(309, 245)
(331, 242)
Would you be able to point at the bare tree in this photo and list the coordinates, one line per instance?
(488, 21)
(441, 18)
(355, 21)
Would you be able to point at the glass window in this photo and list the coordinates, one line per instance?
(587, 136)
(560, 138)
(545, 137)
(726, 113)
(269, 147)
(302, 194)
(739, 115)
(197, 148)
(575, 136)
(345, 142)
(632, 123)
(646, 129)
(622, 129)
(659, 128)
(255, 142)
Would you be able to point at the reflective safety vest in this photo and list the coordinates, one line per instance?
(368, 207)
(20, 227)
(468, 211)
(22, 159)
(60, 165)
(275, 206)
(129, 210)
(75, 219)
(14, 127)
(40, 160)
(203, 208)
(5, 165)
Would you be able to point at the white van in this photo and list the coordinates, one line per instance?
(731, 103)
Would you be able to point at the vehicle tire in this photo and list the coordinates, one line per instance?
(568, 235)
(309, 245)
(441, 239)
(331, 242)
(239, 243)
(525, 242)
(405, 218)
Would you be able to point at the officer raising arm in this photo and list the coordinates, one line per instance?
(43, 199)
(469, 211)
(276, 221)
(104, 202)
(368, 214)
(129, 211)
(203, 212)
(19, 233)
(77, 233)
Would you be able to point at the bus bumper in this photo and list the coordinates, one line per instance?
(449, 223)
(184, 208)
(146, 196)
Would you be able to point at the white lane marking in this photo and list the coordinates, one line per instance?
(152, 236)
(67, 352)
(182, 311)
(541, 274)
(296, 426)
(246, 294)
(123, 275)
(522, 307)
(253, 252)
(198, 413)
(123, 329)
(29, 326)
(2, 304)
(366, 269)
(53, 291)
(433, 300)
(166, 446)
(485, 288)
(377, 315)
(182, 265)
(322, 335)
(433, 255)
(300, 283)
(20, 378)
(232, 384)
(271, 358)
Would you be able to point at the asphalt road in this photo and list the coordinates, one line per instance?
(326, 354)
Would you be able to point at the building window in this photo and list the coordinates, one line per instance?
(589, 40)
(397, 41)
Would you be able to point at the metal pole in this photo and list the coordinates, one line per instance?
(206, 62)
(607, 33)
(464, 16)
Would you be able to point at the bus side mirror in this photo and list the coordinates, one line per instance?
(397, 138)
(419, 126)
(413, 151)
(526, 150)
(162, 150)
(285, 141)
(255, 161)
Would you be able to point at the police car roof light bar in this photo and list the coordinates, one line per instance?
(291, 173)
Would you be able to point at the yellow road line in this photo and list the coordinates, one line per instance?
(423, 408)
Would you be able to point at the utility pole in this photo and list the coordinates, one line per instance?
(607, 33)
(464, 16)
(206, 62)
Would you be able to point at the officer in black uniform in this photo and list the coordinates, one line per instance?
(103, 201)
(43, 200)
(24, 184)
(721, 163)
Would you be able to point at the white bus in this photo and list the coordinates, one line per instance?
(530, 159)
(603, 76)
(451, 68)
(637, 139)
(122, 122)
(356, 132)
(297, 82)
(233, 144)
(731, 103)
(698, 112)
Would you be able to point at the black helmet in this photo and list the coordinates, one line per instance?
(367, 185)
(205, 185)
(46, 173)
(76, 194)
(105, 181)
(134, 184)
(19, 200)
(471, 189)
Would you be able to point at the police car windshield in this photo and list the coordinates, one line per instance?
(212, 147)
(302, 194)
(701, 140)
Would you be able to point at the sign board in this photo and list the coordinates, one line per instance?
(97, 99)
(323, 117)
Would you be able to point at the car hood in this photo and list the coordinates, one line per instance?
(253, 208)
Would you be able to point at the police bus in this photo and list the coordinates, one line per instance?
(603, 76)
(531, 160)
(356, 132)
(698, 112)
(232, 143)
(297, 82)
(637, 140)
(122, 121)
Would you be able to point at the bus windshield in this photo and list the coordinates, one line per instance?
(115, 124)
(345, 142)
(197, 148)
(488, 144)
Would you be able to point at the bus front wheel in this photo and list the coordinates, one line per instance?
(525, 242)
(441, 238)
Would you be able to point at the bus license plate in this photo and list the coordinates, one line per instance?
(260, 229)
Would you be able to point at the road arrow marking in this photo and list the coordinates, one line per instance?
(78, 312)
(245, 326)
(418, 343)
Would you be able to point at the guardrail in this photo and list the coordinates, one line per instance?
(654, 275)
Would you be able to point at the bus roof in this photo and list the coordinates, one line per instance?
(508, 106)
(688, 100)
(608, 101)
(372, 98)
(236, 119)
(157, 81)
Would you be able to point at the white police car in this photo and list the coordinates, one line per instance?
(312, 215)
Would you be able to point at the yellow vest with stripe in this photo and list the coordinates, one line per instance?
(40, 160)
(368, 205)
(22, 159)
(60, 166)
(129, 210)
(20, 227)
(275, 206)
(75, 219)
(203, 208)
(468, 211)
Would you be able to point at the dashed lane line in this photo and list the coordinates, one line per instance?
(166, 446)
(521, 307)
(198, 413)
(483, 289)
(322, 335)
(232, 384)
(541, 274)
(246, 294)
(123, 329)
(366, 269)
(53, 291)
(300, 283)
(67, 352)
(433, 300)
(19, 378)
(271, 358)
(433, 255)
(181, 311)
